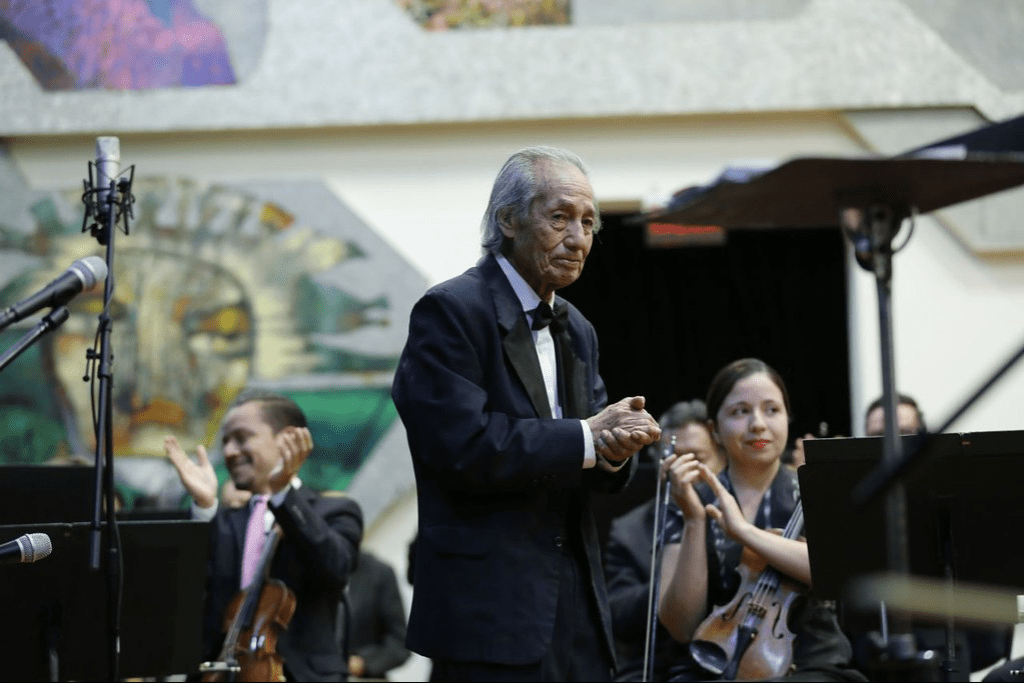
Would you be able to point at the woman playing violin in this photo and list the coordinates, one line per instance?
(721, 521)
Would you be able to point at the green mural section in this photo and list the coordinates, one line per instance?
(31, 429)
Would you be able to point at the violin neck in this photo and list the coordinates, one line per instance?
(263, 567)
(795, 526)
(769, 579)
(252, 595)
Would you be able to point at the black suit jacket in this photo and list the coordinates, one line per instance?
(494, 472)
(628, 570)
(376, 617)
(314, 558)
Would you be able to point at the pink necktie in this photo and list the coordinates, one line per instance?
(255, 538)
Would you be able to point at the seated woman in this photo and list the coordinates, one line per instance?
(718, 541)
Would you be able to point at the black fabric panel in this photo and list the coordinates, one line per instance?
(668, 318)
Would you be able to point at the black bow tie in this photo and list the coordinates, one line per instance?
(544, 316)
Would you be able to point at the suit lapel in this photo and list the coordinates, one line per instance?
(575, 377)
(573, 373)
(238, 520)
(517, 338)
(522, 354)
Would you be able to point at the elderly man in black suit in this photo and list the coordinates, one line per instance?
(506, 414)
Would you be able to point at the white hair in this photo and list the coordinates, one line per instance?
(516, 187)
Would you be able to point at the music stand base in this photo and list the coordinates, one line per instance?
(898, 659)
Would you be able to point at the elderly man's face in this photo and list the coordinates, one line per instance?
(550, 248)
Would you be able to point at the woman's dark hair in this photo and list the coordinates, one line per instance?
(727, 377)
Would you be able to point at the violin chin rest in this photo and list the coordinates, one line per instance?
(710, 656)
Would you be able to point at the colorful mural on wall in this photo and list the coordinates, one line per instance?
(217, 288)
(441, 15)
(128, 44)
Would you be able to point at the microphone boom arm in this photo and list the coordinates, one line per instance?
(51, 321)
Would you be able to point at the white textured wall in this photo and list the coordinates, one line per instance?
(364, 62)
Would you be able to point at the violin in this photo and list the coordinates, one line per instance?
(254, 619)
(749, 638)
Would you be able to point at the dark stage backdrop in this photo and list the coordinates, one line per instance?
(668, 318)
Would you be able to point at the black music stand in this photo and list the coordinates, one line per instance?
(868, 198)
(809, 192)
(965, 495)
(965, 483)
(45, 494)
(56, 608)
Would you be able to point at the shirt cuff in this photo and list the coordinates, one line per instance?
(589, 453)
(204, 514)
(609, 466)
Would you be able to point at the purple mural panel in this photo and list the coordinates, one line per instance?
(116, 44)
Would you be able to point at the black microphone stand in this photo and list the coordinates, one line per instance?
(113, 205)
(657, 543)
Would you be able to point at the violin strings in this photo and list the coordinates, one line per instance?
(768, 582)
(796, 522)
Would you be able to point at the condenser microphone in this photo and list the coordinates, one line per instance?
(108, 166)
(80, 276)
(27, 548)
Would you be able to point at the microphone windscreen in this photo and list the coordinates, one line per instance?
(108, 149)
(39, 546)
(90, 270)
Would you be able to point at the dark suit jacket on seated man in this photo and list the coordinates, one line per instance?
(265, 442)
(509, 433)
(376, 642)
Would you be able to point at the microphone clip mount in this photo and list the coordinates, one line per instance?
(106, 207)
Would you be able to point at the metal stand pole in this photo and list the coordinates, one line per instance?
(661, 493)
(871, 230)
(105, 449)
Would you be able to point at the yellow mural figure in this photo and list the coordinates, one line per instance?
(215, 288)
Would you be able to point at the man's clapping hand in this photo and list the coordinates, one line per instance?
(623, 428)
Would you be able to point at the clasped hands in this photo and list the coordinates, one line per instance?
(622, 429)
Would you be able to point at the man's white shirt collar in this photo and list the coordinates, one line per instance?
(528, 298)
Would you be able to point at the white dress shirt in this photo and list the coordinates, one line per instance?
(545, 345)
